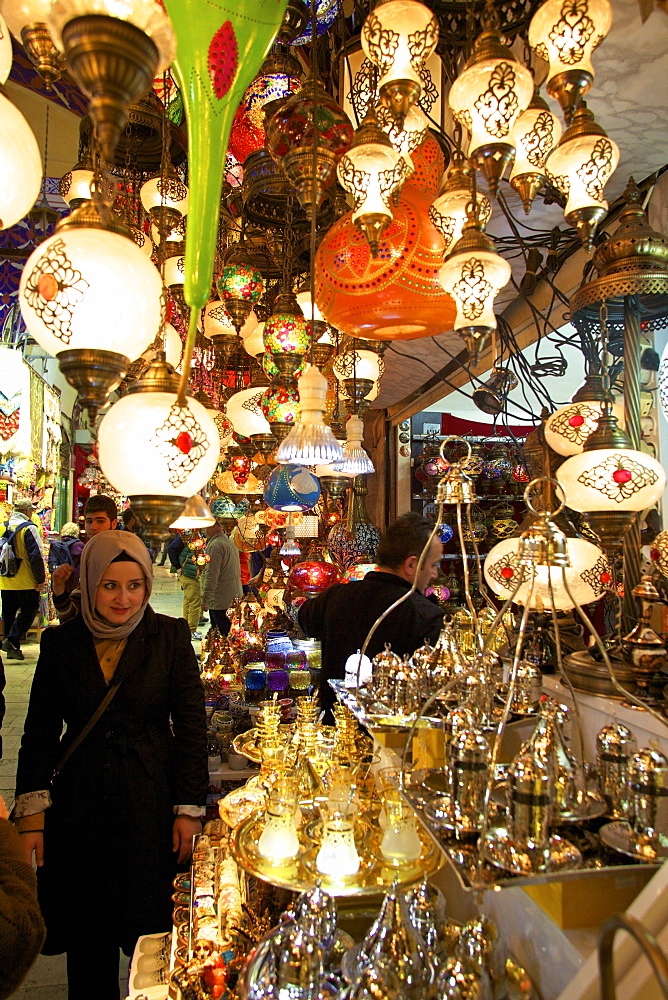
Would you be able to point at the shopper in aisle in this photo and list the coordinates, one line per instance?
(221, 581)
(104, 834)
(342, 616)
(66, 550)
(20, 593)
(192, 593)
(100, 514)
(21, 924)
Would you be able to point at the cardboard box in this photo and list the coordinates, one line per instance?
(589, 901)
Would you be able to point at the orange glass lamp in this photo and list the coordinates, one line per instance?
(396, 295)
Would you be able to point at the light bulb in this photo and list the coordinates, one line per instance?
(88, 287)
(20, 165)
(310, 441)
(174, 448)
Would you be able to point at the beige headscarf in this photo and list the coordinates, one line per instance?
(98, 553)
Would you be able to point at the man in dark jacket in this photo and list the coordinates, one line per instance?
(343, 615)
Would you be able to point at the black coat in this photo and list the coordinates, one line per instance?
(108, 834)
(342, 616)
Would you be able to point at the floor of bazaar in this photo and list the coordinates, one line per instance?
(47, 979)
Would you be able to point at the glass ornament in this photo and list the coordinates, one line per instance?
(395, 295)
(310, 122)
(448, 211)
(325, 15)
(243, 409)
(286, 331)
(86, 287)
(588, 575)
(567, 429)
(312, 576)
(487, 97)
(240, 286)
(280, 403)
(535, 134)
(611, 479)
(474, 273)
(565, 34)
(398, 36)
(372, 171)
(357, 572)
(175, 448)
(580, 166)
(248, 133)
(20, 165)
(291, 488)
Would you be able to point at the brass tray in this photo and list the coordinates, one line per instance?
(375, 876)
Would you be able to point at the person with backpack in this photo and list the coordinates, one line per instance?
(22, 576)
(67, 550)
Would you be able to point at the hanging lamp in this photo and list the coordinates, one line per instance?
(27, 21)
(609, 481)
(474, 273)
(580, 166)
(359, 370)
(565, 34)
(310, 442)
(355, 461)
(535, 134)
(488, 96)
(567, 429)
(286, 335)
(291, 489)
(448, 211)
(165, 200)
(243, 407)
(240, 285)
(114, 50)
(174, 448)
(91, 298)
(195, 514)
(372, 171)
(398, 37)
(280, 406)
(296, 143)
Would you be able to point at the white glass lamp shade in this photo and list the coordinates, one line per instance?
(175, 273)
(567, 429)
(535, 134)
(488, 97)
(90, 288)
(20, 13)
(243, 409)
(566, 32)
(474, 280)
(147, 15)
(142, 239)
(397, 37)
(611, 479)
(580, 168)
(405, 139)
(20, 165)
(173, 346)
(5, 51)
(371, 173)
(166, 450)
(448, 213)
(253, 344)
(217, 320)
(164, 192)
(663, 382)
(588, 575)
(359, 364)
(75, 186)
(309, 308)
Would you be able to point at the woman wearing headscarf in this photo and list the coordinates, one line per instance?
(122, 809)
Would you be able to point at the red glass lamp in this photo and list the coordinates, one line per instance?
(313, 575)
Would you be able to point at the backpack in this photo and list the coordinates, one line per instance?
(59, 553)
(9, 561)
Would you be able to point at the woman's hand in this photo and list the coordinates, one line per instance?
(33, 843)
(185, 828)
